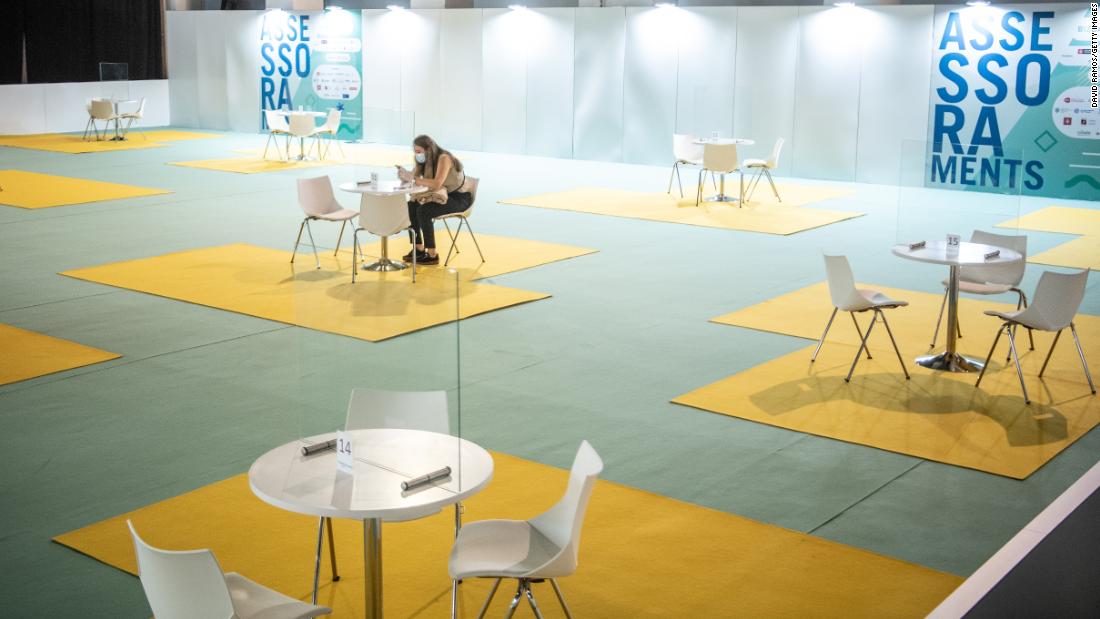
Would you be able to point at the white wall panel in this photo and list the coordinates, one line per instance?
(59, 108)
(893, 96)
(212, 89)
(598, 58)
(383, 39)
(767, 57)
(421, 71)
(64, 104)
(649, 93)
(504, 81)
(182, 68)
(242, 70)
(460, 59)
(23, 109)
(827, 92)
(549, 36)
(708, 44)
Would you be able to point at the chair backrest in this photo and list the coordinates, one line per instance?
(276, 121)
(472, 183)
(561, 524)
(408, 410)
(384, 215)
(773, 161)
(315, 196)
(1057, 299)
(332, 123)
(140, 110)
(720, 157)
(842, 284)
(302, 125)
(182, 584)
(102, 109)
(1009, 274)
(684, 147)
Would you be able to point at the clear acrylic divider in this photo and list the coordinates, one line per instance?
(114, 80)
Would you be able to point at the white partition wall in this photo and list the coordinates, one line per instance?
(599, 51)
(460, 61)
(707, 44)
(59, 108)
(548, 35)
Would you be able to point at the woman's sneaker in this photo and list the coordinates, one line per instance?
(420, 256)
(424, 258)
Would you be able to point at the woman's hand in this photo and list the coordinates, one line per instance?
(404, 174)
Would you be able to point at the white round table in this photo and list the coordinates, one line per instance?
(301, 138)
(968, 254)
(384, 458)
(382, 188)
(722, 197)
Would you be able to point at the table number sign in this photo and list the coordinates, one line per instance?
(953, 241)
(345, 459)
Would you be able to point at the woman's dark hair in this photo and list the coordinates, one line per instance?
(432, 152)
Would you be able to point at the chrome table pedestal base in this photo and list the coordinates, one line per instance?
(950, 362)
(385, 264)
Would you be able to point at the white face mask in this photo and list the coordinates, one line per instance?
(421, 157)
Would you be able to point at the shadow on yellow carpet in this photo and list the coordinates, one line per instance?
(642, 555)
(26, 354)
(250, 165)
(762, 215)
(32, 190)
(1079, 253)
(937, 416)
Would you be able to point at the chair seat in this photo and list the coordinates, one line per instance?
(1026, 319)
(754, 163)
(690, 161)
(500, 548)
(252, 600)
(340, 215)
(873, 299)
(463, 215)
(980, 288)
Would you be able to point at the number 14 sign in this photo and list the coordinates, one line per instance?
(345, 459)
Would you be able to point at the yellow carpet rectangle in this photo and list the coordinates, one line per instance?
(938, 416)
(1081, 253)
(73, 144)
(168, 135)
(761, 215)
(262, 282)
(642, 555)
(353, 154)
(33, 190)
(250, 165)
(26, 354)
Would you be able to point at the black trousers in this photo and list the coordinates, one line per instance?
(421, 215)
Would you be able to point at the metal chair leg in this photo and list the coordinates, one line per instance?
(1019, 370)
(561, 599)
(856, 323)
(985, 366)
(531, 601)
(699, 188)
(453, 237)
(771, 182)
(826, 332)
(741, 194)
(1023, 303)
(298, 240)
(309, 231)
(332, 549)
(1050, 352)
(485, 605)
(939, 321)
(862, 345)
(355, 253)
(339, 237)
(675, 172)
(515, 600)
(472, 236)
(317, 562)
(1081, 353)
(894, 342)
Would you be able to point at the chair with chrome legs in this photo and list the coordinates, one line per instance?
(385, 216)
(992, 279)
(373, 409)
(470, 184)
(1055, 303)
(531, 551)
(686, 152)
(721, 159)
(317, 202)
(764, 167)
(846, 297)
(277, 126)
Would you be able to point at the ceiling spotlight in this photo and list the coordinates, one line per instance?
(334, 7)
(977, 3)
(517, 7)
(395, 7)
(844, 5)
(665, 5)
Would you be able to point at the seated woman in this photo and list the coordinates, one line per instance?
(435, 168)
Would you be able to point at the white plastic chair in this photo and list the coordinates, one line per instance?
(992, 279)
(463, 219)
(317, 202)
(384, 216)
(720, 159)
(1053, 306)
(846, 297)
(133, 117)
(764, 167)
(545, 547)
(376, 408)
(189, 583)
(103, 109)
(276, 125)
(330, 128)
(686, 152)
(303, 127)
(91, 121)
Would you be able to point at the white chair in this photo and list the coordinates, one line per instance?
(1053, 306)
(992, 279)
(720, 159)
(384, 216)
(463, 219)
(185, 584)
(303, 127)
(544, 547)
(132, 117)
(88, 126)
(376, 408)
(846, 297)
(764, 167)
(686, 152)
(330, 128)
(276, 126)
(103, 109)
(317, 202)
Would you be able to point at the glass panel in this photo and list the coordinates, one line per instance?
(387, 126)
(115, 80)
